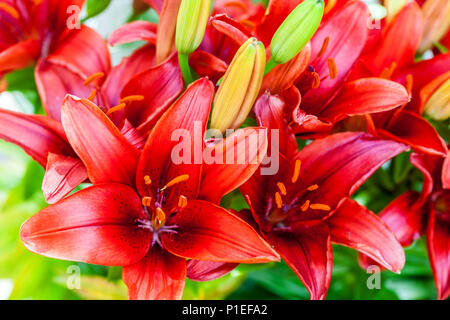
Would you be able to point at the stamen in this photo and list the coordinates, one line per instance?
(305, 206)
(319, 206)
(115, 109)
(160, 214)
(92, 95)
(10, 9)
(329, 6)
(324, 46)
(182, 178)
(387, 72)
(298, 165)
(278, 200)
(316, 80)
(282, 188)
(131, 98)
(147, 180)
(93, 77)
(332, 68)
(147, 201)
(313, 187)
(409, 82)
(182, 201)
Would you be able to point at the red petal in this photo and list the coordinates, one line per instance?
(410, 128)
(201, 235)
(231, 28)
(96, 225)
(133, 31)
(36, 135)
(107, 155)
(363, 96)
(82, 51)
(309, 254)
(234, 160)
(438, 242)
(188, 116)
(54, 82)
(62, 175)
(19, 56)
(446, 172)
(159, 85)
(395, 45)
(347, 33)
(159, 276)
(207, 271)
(355, 226)
(431, 168)
(141, 60)
(207, 65)
(341, 163)
(404, 216)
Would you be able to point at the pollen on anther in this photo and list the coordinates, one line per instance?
(182, 201)
(282, 188)
(319, 206)
(146, 201)
(324, 46)
(316, 80)
(297, 167)
(409, 83)
(181, 178)
(332, 68)
(116, 108)
(278, 200)
(313, 187)
(147, 180)
(92, 95)
(160, 214)
(131, 98)
(93, 77)
(305, 206)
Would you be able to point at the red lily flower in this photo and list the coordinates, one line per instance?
(302, 213)
(413, 214)
(388, 57)
(144, 212)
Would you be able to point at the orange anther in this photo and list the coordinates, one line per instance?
(324, 46)
(409, 83)
(181, 178)
(160, 214)
(332, 68)
(313, 187)
(278, 200)
(147, 180)
(305, 206)
(10, 9)
(319, 206)
(182, 201)
(316, 80)
(146, 201)
(282, 188)
(132, 98)
(93, 77)
(116, 108)
(92, 95)
(297, 167)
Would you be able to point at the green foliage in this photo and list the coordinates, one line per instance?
(95, 7)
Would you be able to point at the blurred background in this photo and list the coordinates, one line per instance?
(24, 275)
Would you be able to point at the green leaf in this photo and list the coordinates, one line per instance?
(95, 7)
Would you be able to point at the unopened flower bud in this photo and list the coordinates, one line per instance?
(239, 87)
(191, 24)
(295, 32)
(437, 23)
(438, 105)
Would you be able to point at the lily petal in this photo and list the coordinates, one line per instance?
(95, 225)
(62, 175)
(36, 135)
(19, 56)
(235, 160)
(187, 117)
(159, 276)
(133, 31)
(106, 153)
(355, 226)
(207, 271)
(363, 96)
(309, 254)
(201, 235)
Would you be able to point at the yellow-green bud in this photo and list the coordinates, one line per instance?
(295, 32)
(239, 87)
(438, 106)
(191, 24)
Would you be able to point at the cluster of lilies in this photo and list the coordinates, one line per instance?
(314, 70)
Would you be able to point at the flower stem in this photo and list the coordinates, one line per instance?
(269, 66)
(183, 60)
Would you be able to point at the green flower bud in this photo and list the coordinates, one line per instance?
(191, 24)
(295, 32)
